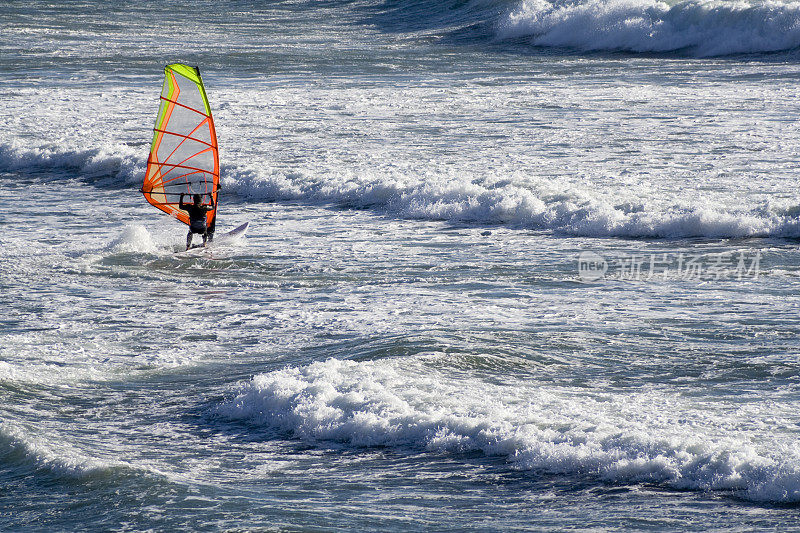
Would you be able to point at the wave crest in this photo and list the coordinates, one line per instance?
(519, 201)
(19, 447)
(655, 438)
(120, 165)
(516, 200)
(701, 28)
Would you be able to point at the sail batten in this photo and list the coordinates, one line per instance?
(184, 157)
(184, 136)
(186, 106)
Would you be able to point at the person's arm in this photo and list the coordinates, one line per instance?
(181, 204)
(210, 207)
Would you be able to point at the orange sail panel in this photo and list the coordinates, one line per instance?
(183, 156)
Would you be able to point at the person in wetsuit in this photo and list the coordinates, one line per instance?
(197, 218)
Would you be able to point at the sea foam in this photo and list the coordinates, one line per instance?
(133, 239)
(653, 437)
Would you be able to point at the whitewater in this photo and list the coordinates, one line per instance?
(511, 265)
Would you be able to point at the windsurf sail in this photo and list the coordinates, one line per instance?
(183, 156)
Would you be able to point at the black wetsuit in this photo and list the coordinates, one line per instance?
(197, 219)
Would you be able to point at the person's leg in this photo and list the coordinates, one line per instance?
(205, 237)
(189, 240)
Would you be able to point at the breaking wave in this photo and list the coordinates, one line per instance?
(521, 202)
(637, 438)
(518, 201)
(120, 165)
(701, 28)
(20, 448)
(692, 27)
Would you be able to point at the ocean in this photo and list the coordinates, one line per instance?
(511, 265)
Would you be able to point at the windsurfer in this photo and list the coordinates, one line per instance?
(197, 217)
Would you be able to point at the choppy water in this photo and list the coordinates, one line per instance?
(406, 339)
